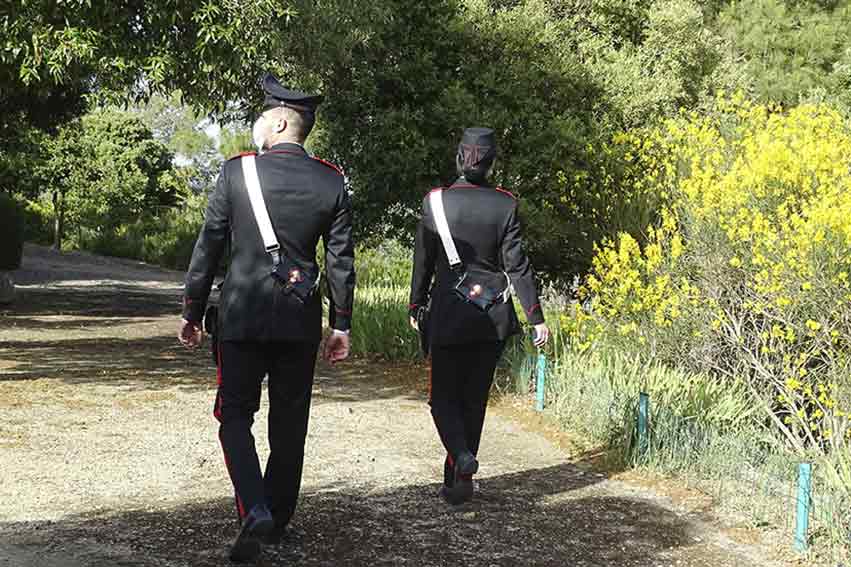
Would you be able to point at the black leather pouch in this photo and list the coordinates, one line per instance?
(295, 280)
(481, 289)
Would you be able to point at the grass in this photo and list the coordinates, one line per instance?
(707, 433)
(381, 326)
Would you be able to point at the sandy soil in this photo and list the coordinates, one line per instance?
(109, 456)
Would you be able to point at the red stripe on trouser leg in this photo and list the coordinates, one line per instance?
(219, 366)
(450, 459)
(217, 412)
(240, 508)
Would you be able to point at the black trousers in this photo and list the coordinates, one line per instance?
(242, 367)
(461, 379)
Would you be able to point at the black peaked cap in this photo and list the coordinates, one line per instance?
(277, 95)
(477, 145)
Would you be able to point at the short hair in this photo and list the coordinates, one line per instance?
(300, 121)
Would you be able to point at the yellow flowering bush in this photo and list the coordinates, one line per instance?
(746, 271)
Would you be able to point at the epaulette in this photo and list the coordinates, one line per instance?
(329, 164)
(509, 193)
(242, 154)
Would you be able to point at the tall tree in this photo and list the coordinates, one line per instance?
(104, 170)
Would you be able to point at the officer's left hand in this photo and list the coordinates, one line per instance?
(191, 335)
(337, 347)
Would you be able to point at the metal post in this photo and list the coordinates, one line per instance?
(539, 388)
(802, 519)
(643, 421)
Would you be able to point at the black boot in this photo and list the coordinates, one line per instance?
(461, 490)
(255, 528)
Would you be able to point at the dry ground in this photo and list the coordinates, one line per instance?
(109, 457)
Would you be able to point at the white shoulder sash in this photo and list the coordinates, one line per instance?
(437, 210)
(258, 206)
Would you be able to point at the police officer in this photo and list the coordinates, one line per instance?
(469, 242)
(271, 324)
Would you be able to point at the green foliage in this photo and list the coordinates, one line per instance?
(105, 170)
(199, 45)
(11, 231)
(381, 303)
(746, 275)
(649, 58)
(165, 239)
(705, 431)
(184, 131)
(791, 49)
(38, 221)
(548, 80)
(234, 142)
(556, 78)
(591, 390)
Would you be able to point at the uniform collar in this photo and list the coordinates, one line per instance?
(288, 147)
(462, 183)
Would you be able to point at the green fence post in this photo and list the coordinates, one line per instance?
(643, 422)
(802, 518)
(539, 387)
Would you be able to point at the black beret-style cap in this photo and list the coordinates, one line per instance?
(277, 95)
(477, 146)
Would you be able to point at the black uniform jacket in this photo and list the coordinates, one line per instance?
(306, 199)
(486, 230)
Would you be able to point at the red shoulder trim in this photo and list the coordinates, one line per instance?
(242, 154)
(329, 164)
(509, 193)
(430, 191)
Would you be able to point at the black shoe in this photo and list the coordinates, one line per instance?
(461, 490)
(256, 526)
(466, 465)
(276, 536)
(447, 495)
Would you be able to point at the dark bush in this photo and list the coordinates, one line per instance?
(11, 233)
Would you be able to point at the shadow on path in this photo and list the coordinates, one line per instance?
(98, 300)
(526, 518)
(160, 362)
(146, 363)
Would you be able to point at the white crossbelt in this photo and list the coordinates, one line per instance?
(436, 200)
(258, 206)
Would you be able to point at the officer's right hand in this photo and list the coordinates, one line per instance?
(337, 347)
(414, 324)
(542, 334)
(191, 334)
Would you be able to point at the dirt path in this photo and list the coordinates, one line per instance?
(109, 457)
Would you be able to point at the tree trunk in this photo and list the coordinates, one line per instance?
(58, 213)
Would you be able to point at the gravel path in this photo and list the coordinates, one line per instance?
(109, 456)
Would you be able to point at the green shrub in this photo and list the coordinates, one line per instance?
(11, 233)
(38, 222)
(170, 238)
(165, 239)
